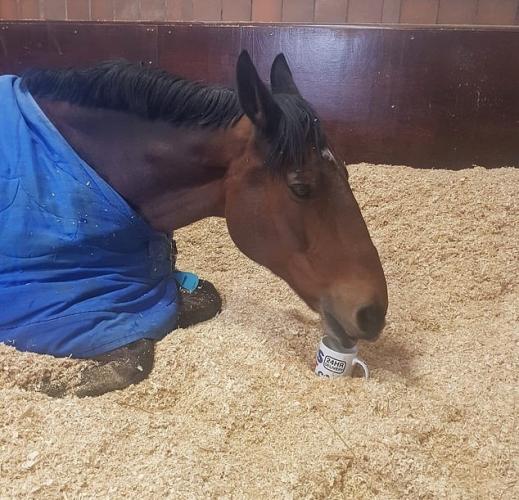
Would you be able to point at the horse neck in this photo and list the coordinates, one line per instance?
(172, 176)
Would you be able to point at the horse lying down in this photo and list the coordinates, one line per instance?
(99, 166)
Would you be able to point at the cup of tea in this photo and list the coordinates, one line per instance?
(334, 360)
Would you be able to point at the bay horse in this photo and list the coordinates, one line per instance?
(178, 151)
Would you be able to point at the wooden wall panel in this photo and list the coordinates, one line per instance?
(428, 97)
(54, 9)
(419, 11)
(365, 11)
(174, 10)
(207, 53)
(391, 11)
(37, 44)
(207, 10)
(457, 11)
(102, 10)
(497, 12)
(331, 11)
(267, 10)
(179, 10)
(29, 9)
(410, 105)
(126, 11)
(8, 9)
(236, 10)
(298, 11)
(78, 10)
(478, 12)
(152, 10)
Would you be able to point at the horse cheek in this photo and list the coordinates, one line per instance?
(246, 225)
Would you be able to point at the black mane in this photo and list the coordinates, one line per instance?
(152, 94)
(155, 94)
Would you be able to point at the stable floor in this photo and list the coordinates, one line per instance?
(232, 408)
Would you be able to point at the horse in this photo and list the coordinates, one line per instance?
(177, 151)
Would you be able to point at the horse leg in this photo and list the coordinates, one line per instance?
(133, 363)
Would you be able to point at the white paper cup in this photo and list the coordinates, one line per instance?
(331, 363)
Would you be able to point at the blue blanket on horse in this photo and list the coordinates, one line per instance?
(80, 272)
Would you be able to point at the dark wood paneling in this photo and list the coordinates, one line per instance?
(443, 98)
(42, 44)
(423, 97)
(420, 97)
(207, 53)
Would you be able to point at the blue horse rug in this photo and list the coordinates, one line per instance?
(81, 273)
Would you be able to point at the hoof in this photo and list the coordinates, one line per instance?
(114, 370)
(201, 305)
(118, 369)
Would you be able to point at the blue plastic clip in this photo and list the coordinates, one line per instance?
(186, 281)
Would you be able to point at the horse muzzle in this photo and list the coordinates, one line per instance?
(365, 322)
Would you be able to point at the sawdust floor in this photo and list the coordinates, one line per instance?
(232, 408)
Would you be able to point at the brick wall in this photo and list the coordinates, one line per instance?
(503, 12)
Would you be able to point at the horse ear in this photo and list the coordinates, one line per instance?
(281, 78)
(255, 98)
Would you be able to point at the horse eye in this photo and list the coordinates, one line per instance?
(301, 190)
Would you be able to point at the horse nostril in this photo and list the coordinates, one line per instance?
(371, 320)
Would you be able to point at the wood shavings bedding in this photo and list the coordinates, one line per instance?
(232, 408)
